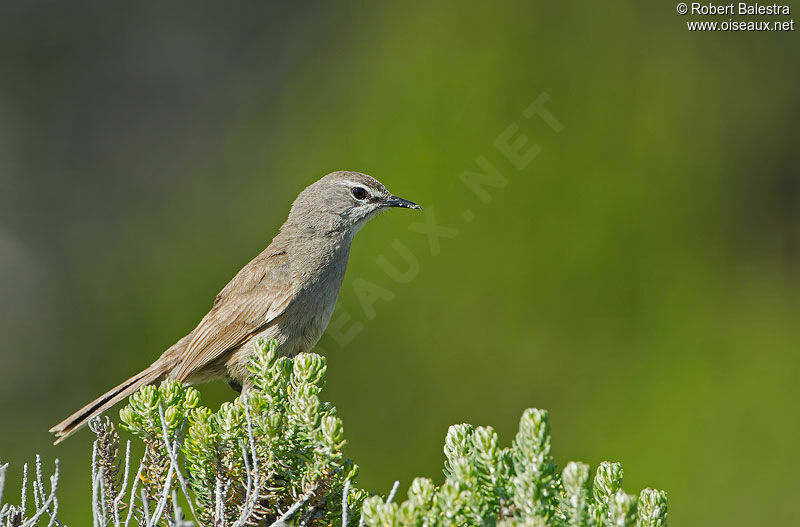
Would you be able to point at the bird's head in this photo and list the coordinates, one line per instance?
(344, 201)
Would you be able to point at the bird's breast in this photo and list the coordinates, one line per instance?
(298, 328)
(313, 313)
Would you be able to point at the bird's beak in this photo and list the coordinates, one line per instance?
(394, 201)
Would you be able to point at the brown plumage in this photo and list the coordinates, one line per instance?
(286, 293)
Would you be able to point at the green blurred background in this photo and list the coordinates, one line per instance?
(639, 278)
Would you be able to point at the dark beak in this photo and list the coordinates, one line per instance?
(394, 201)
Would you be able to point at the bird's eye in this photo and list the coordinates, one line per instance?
(359, 192)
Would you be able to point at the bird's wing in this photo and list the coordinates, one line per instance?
(253, 298)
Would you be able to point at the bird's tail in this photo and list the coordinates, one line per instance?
(158, 371)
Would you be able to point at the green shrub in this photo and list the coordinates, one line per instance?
(274, 456)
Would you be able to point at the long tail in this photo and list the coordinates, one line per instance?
(156, 372)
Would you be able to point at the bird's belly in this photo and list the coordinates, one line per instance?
(314, 329)
(293, 334)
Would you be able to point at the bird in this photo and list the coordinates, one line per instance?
(286, 294)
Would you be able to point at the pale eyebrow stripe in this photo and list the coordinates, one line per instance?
(358, 184)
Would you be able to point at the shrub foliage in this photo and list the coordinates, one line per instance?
(274, 456)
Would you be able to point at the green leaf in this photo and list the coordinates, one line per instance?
(652, 510)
